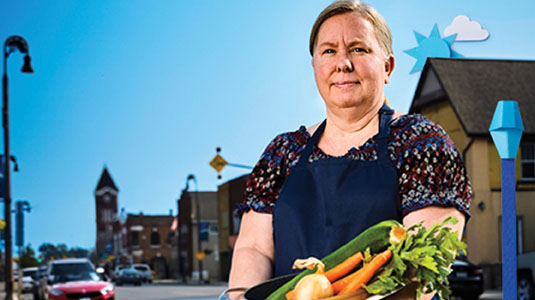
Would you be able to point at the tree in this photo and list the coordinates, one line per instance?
(78, 252)
(49, 251)
(27, 257)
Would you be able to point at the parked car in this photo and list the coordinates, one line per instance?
(27, 284)
(116, 271)
(74, 278)
(526, 276)
(129, 275)
(30, 279)
(145, 270)
(466, 279)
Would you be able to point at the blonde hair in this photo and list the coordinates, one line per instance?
(382, 31)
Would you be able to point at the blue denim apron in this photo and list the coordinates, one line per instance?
(326, 203)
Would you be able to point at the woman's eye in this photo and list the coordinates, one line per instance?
(328, 51)
(359, 50)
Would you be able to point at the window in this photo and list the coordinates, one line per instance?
(155, 238)
(528, 161)
(135, 238)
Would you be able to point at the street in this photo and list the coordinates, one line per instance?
(169, 292)
(163, 291)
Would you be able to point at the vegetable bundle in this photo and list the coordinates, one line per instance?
(379, 261)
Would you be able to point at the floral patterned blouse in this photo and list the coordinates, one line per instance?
(429, 166)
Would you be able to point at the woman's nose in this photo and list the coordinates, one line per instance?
(344, 64)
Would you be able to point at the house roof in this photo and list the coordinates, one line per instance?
(106, 181)
(474, 87)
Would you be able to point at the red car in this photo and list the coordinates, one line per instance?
(74, 279)
(82, 290)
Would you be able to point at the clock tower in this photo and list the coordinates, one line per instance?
(106, 208)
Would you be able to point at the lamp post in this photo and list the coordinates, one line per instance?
(11, 44)
(198, 217)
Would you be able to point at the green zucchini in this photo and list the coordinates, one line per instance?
(376, 238)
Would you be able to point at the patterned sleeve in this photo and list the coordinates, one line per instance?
(267, 177)
(430, 168)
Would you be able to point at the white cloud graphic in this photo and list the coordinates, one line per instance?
(466, 30)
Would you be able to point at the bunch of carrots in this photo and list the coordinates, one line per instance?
(343, 280)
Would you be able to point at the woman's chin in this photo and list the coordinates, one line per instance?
(345, 103)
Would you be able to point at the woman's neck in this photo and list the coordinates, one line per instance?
(347, 128)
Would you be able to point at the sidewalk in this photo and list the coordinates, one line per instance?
(491, 295)
(3, 292)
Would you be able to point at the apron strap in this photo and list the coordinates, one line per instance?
(311, 143)
(383, 137)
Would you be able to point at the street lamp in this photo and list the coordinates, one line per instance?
(198, 216)
(11, 44)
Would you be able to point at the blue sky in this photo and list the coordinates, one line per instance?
(151, 88)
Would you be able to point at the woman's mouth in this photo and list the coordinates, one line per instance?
(346, 84)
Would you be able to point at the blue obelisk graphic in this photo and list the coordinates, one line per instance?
(506, 130)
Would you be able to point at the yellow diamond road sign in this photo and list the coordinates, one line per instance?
(200, 255)
(218, 163)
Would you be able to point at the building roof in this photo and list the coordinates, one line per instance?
(142, 219)
(474, 86)
(106, 181)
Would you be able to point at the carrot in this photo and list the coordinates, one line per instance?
(366, 272)
(344, 267)
(339, 285)
(290, 295)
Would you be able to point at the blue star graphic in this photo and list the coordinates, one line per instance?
(432, 46)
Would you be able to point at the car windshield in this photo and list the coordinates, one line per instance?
(141, 268)
(74, 272)
(31, 273)
(82, 276)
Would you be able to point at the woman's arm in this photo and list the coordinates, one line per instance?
(252, 261)
(435, 214)
(429, 216)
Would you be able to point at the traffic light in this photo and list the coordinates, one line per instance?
(20, 207)
(19, 224)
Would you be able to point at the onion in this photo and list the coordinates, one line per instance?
(313, 286)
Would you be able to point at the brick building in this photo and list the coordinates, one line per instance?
(106, 194)
(149, 241)
(188, 265)
(229, 194)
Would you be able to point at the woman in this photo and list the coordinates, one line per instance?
(315, 189)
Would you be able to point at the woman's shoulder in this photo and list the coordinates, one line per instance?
(288, 141)
(409, 120)
(416, 125)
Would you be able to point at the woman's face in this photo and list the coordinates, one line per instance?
(349, 65)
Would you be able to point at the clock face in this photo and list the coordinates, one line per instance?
(107, 198)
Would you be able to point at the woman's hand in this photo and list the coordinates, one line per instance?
(252, 261)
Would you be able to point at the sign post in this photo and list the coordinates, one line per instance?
(506, 130)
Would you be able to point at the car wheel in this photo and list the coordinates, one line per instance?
(525, 287)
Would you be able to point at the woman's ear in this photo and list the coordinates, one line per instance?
(389, 67)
